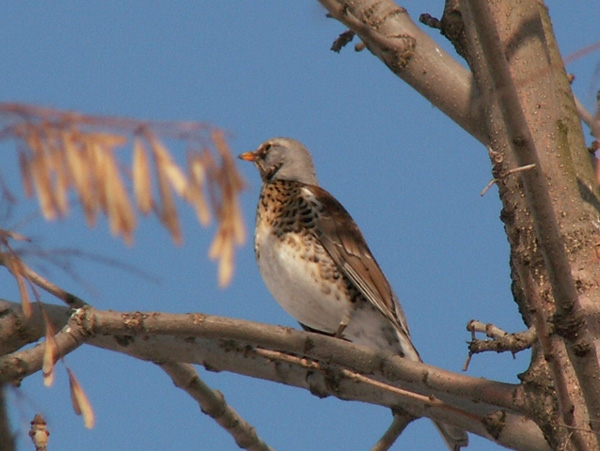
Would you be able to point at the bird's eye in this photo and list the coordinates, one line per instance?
(265, 149)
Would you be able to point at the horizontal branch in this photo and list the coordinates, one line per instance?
(324, 365)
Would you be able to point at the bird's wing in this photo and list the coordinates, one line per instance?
(343, 240)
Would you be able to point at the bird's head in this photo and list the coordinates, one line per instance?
(283, 159)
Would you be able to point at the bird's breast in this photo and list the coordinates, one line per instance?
(302, 278)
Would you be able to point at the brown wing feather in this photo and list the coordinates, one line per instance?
(343, 240)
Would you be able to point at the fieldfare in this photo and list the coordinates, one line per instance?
(316, 263)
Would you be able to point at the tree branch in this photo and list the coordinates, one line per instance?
(592, 121)
(578, 340)
(20, 364)
(391, 35)
(401, 420)
(213, 404)
(324, 365)
(500, 340)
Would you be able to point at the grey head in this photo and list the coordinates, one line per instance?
(283, 159)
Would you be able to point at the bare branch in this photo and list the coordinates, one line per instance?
(412, 55)
(527, 167)
(342, 40)
(213, 403)
(344, 370)
(20, 364)
(500, 341)
(588, 118)
(70, 299)
(17, 330)
(401, 420)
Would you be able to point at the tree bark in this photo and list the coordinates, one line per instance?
(525, 114)
(324, 365)
(516, 62)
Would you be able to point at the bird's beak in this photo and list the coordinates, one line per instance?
(247, 156)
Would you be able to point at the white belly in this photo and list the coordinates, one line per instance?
(295, 284)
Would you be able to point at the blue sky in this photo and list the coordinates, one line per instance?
(408, 175)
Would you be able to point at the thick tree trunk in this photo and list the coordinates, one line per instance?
(548, 211)
(522, 108)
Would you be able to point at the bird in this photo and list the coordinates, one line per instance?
(316, 263)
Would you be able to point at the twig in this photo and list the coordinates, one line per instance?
(591, 120)
(342, 40)
(501, 341)
(70, 299)
(20, 364)
(213, 404)
(526, 167)
(401, 420)
(488, 329)
(21, 270)
(571, 428)
(429, 401)
(430, 21)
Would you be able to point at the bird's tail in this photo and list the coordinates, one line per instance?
(454, 436)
